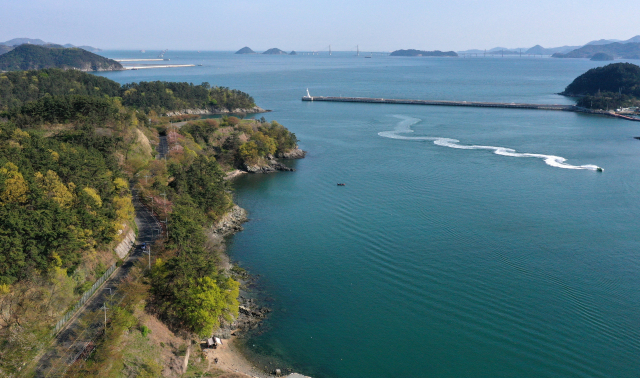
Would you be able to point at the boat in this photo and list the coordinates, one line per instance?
(341, 184)
(600, 169)
(199, 65)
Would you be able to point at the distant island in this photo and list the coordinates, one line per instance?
(602, 57)
(412, 52)
(275, 51)
(629, 50)
(613, 86)
(245, 50)
(34, 57)
(293, 52)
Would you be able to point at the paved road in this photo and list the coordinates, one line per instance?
(163, 147)
(73, 339)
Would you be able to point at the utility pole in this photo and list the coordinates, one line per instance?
(148, 252)
(104, 307)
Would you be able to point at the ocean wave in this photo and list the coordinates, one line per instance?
(404, 127)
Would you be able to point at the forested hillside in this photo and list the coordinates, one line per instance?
(18, 88)
(608, 87)
(71, 144)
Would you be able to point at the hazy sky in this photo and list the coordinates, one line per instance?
(375, 25)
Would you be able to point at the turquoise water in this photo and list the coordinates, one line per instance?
(435, 261)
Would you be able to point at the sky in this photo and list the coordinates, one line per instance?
(374, 25)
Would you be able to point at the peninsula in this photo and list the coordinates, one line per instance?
(96, 168)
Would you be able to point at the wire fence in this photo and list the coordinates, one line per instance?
(82, 347)
(96, 285)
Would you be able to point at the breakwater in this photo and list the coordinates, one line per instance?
(476, 104)
(442, 103)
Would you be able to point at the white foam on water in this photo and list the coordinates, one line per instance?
(404, 127)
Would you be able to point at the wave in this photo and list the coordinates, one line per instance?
(404, 127)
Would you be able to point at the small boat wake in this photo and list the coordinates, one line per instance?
(404, 127)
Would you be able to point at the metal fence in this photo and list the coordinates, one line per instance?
(83, 300)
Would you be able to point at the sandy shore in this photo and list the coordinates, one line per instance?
(230, 359)
(233, 174)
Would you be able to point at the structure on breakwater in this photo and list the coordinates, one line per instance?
(476, 104)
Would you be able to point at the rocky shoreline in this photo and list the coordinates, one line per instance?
(208, 111)
(272, 165)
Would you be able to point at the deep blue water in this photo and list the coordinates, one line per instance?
(435, 261)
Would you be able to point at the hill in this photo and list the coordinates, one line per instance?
(245, 50)
(616, 77)
(617, 50)
(33, 57)
(412, 52)
(275, 51)
(612, 86)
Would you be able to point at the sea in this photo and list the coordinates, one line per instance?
(466, 242)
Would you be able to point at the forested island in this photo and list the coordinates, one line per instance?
(245, 50)
(33, 57)
(275, 51)
(72, 146)
(612, 86)
(412, 52)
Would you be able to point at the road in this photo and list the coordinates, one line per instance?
(73, 339)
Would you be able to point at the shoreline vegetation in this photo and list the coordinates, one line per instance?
(66, 164)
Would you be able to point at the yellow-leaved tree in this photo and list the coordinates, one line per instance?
(55, 189)
(13, 187)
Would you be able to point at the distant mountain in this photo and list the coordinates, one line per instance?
(635, 39)
(412, 52)
(539, 50)
(5, 49)
(21, 41)
(603, 42)
(34, 57)
(616, 49)
(274, 51)
(245, 50)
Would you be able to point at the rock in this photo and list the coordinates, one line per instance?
(255, 109)
(278, 372)
(292, 154)
(231, 222)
